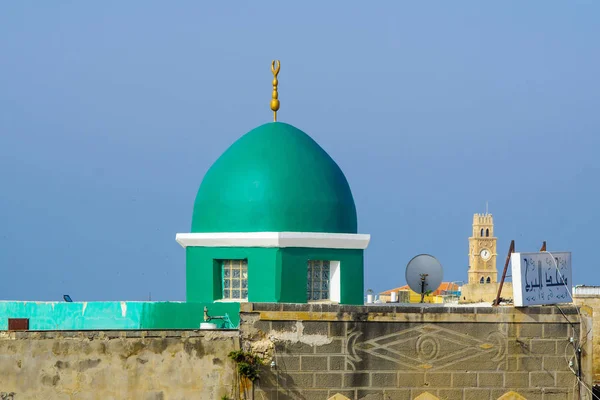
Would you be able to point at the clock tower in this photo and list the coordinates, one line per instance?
(482, 251)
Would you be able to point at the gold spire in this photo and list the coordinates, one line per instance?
(275, 100)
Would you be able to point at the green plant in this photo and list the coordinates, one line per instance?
(247, 364)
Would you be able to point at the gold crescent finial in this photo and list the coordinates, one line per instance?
(274, 99)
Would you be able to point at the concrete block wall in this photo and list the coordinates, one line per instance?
(400, 352)
(116, 365)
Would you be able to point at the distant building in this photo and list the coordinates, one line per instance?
(483, 283)
(405, 295)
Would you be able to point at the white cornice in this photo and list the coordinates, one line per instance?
(275, 239)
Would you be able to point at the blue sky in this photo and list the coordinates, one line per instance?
(111, 112)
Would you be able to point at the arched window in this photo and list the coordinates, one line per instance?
(488, 280)
(481, 280)
(481, 232)
(487, 232)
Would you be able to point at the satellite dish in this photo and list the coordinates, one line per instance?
(424, 274)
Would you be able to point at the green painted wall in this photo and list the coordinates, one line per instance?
(203, 272)
(274, 275)
(113, 315)
(275, 178)
(295, 262)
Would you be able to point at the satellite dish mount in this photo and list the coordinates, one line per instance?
(424, 274)
(423, 284)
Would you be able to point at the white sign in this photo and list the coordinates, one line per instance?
(541, 278)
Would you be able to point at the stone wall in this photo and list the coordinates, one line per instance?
(593, 302)
(379, 352)
(144, 365)
(402, 352)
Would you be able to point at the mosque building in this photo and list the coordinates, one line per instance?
(274, 220)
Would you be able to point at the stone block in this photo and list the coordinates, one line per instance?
(490, 379)
(405, 309)
(511, 363)
(516, 379)
(288, 363)
(565, 379)
(464, 379)
(284, 326)
(450, 394)
(315, 328)
(402, 394)
(328, 380)
(556, 396)
(569, 310)
(295, 307)
(518, 346)
(337, 363)
(476, 394)
(335, 347)
(533, 331)
(536, 310)
(555, 363)
(329, 308)
(356, 379)
(556, 331)
(299, 380)
(483, 310)
(543, 346)
(337, 329)
(314, 363)
(154, 396)
(533, 363)
(293, 348)
(263, 326)
(384, 379)
(351, 309)
(380, 309)
(411, 379)
(438, 379)
(541, 379)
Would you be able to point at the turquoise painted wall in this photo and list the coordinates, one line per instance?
(274, 275)
(113, 315)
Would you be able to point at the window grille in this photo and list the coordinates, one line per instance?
(318, 281)
(235, 279)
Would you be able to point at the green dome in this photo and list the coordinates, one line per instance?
(275, 178)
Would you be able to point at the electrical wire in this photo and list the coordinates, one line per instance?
(576, 348)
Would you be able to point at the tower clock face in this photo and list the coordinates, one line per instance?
(485, 254)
